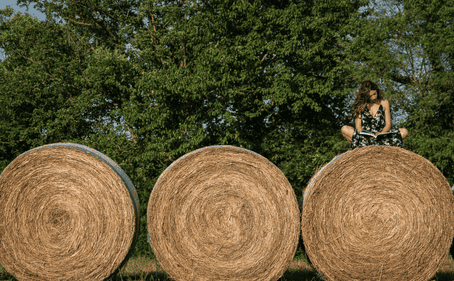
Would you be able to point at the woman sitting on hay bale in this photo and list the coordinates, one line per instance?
(372, 120)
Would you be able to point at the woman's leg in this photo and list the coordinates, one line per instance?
(347, 132)
(403, 132)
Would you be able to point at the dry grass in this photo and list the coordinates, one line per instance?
(55, 202)
(372, 205)
(226, 202)
(142, 269)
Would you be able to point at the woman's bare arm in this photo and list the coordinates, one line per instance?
(387, 127)
(358, 123)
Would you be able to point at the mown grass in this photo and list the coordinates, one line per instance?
(143, 269)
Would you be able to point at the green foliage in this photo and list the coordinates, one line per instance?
(279, 74)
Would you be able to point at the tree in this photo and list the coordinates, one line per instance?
(434, 123)
(27, 104)
(104, 24)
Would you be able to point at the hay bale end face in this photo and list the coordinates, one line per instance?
(223, 213)
(67, 212)
(378, 213)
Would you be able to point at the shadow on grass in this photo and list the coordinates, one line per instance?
(289, 275)
(443, 276)
(294, 275)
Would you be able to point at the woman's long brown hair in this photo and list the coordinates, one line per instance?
(363, 98)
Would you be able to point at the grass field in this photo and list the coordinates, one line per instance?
(141, 269)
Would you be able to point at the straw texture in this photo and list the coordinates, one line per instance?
(378, 213)
(67, 212)
(223, 213)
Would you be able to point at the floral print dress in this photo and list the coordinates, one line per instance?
(375, 124)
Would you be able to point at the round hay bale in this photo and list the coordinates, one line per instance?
(223, 213)
(378, 213)
(67, 212)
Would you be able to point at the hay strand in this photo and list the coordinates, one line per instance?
(67, 212)
(378, 213)
(223, 213)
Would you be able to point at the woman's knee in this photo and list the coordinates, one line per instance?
(403, 132)
(345, 129)
(347, 132)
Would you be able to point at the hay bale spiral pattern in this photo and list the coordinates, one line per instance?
(67, 212)
(223, 213)
(378, 213)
